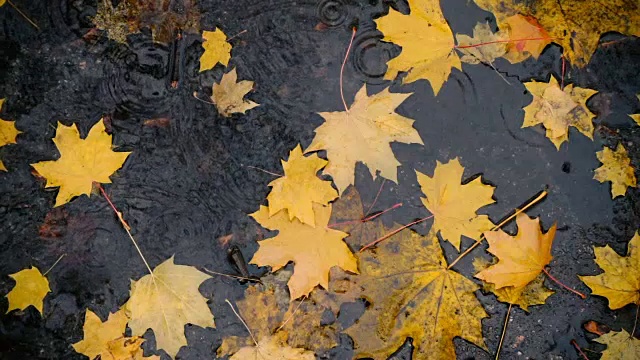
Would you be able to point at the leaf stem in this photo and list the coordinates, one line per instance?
(54, 264)
(504, 331)
(374, 243)
(346, 56)
(243, 322)
(564, 69)
(377, 196)
(582, 354)
(23, 15)
(292, 314)
(364, 220)
(263, 170)
(635, 323)
(229, 275)
(501, 42)
(126, 228)
(563, 285)
(527, 204)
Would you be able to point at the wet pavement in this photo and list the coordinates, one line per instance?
(188, 180)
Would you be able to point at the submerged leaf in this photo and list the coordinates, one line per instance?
(131, 16)
(574, 24)
(413, 294)
(165, 302)
(82, 161)
(30, 290)
(522, 30)
(273, 348)
(557, 109)
(616, 167)
(348, 216)
(485, 45)
(300, 187)
(453, 204)
(426, 41)
(364, 133)
(620, 346)
(620, 281)
(228, 96)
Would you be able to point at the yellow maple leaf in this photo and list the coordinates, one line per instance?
(300, 187)
(454, 205)
(364, 133)
(534, 293)
(2, 2)
(620, 281)
(620, 346)
(228, 96)
(521, 258)
(557, 109)
(493, 45)
(165, 302)
(426, 41)
(126, 348)
(636, 117)
(314, 250)
(82, 161)
(521, 31)
(413, 294)
(216, 50)
(574, 24)
(31, 288)
(98, 334)
(273, 348)
(616, 167)
(8, 133)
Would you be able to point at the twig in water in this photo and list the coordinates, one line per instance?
(126, 228)
(504, 331)
(353, 35)
(23, 15)
(54, 264)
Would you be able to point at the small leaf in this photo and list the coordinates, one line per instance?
(454, 205)
(620, 281)
(216, 49)
(300, 187)
(557, 109)
(98, 334)
(30, 290)
(228, 96)
(8, 133)
(82, 161)
(490, 45)
(616, 167)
